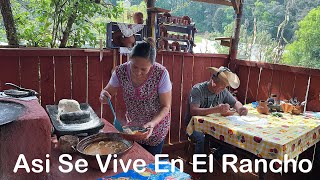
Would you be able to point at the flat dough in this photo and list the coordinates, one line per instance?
(250, 118)
(68, 105)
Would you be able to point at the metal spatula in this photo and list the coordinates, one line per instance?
(116, 122)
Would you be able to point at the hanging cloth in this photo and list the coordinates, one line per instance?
(129, 29)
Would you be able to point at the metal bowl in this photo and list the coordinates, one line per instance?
(91, 159)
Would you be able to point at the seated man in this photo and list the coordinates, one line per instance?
(210, 97)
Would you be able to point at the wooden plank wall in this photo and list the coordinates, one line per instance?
(73, 73)
(259, 80)
(58, 74)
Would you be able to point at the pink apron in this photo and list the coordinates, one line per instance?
(143, 102)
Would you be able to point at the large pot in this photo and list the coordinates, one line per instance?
(287, 107)
(297, 110)
(91, 159)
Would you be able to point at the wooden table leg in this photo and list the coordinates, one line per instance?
(207, 152)
(261, 174)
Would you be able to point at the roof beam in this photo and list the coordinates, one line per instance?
(221, 2)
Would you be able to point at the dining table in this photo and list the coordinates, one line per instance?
(266, 136)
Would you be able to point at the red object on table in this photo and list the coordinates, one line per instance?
(28, 135)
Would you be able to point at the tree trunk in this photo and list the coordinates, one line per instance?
(11, 31)
(254, 35)
(281, 39)
(150, 3)
(235, 41)
(151, 16)
(67, 31)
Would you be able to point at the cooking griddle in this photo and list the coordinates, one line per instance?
(10, 111)
(89, 126)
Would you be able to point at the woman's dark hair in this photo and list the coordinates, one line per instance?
(146, 50)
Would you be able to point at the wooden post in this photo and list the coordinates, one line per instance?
(235, 41)
(151, 19)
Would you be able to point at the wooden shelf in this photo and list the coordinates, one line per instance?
(222, 38)
(173, 51)
(225, 41)
(174, 39)
(177, 28)
(222, 2)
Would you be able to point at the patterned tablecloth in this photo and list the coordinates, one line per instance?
(151, 174)
(266, 136)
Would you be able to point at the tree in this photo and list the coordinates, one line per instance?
(305, 50)
(62, 23)
(9, 22)
(222, 17)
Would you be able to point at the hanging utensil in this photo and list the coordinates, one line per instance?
(116, 122)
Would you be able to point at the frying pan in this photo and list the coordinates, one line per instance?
(19, 91)
(92, 161)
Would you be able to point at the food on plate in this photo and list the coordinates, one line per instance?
(135, 133)
(129, 131)
(105, 147)
(133, 130)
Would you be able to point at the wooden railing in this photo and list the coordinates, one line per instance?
(259, 80)
(80, 75)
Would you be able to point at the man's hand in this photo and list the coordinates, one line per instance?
(242, 111)
(223, 108)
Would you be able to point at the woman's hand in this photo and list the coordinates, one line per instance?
(104, 96)
(150, 126)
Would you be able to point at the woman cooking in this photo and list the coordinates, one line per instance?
(146, 89)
